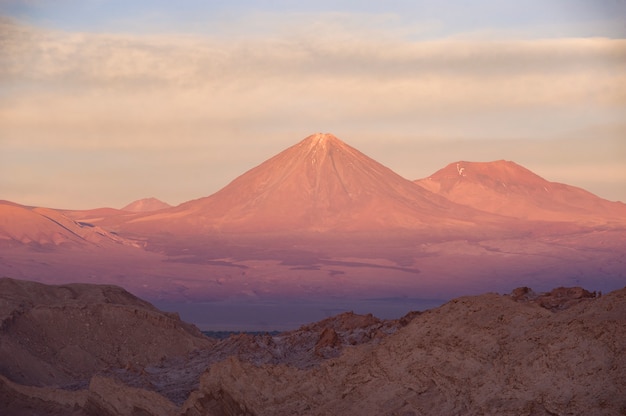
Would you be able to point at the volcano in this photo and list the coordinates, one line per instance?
(506, 188)
(320, 184)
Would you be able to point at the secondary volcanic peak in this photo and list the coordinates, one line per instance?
(500, 176)
(500, 169)
(506, 188)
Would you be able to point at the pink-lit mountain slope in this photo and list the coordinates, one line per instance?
(508, 189)
(48, 227)
(146, 205)
(319, 184)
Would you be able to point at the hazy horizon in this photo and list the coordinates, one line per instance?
(103, 103)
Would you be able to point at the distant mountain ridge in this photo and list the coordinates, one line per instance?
(45, 226)
(146, 205)
(321, 184)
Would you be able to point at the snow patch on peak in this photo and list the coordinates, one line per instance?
(320, 139)
(321, 136)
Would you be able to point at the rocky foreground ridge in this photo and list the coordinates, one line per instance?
(98, 350)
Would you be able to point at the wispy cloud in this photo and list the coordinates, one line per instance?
(91, 92)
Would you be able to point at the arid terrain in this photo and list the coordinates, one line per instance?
(83, 349)
(328, 229)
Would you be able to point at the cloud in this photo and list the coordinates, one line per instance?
(214, 96)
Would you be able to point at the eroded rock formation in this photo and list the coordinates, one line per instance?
(475, 355)
(59, 337)
(97, 350)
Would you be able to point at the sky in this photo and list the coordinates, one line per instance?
(105, 102)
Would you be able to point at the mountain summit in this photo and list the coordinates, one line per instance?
(319, 184)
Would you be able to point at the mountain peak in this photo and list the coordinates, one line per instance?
(321, 138)
(321, 141)
(318, 184)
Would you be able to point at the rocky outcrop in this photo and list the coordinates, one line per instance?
(311, 344)
(475, 355)
(557, 353)
(20, 400)
(306, 347)
(104, 397)
(62, 335)
(108, 397)
(556, 299)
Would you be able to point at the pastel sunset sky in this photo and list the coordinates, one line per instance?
(104, 102)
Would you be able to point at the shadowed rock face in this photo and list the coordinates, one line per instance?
(95, 349)
(63, 335)
(487, 354)
(556, 299)
(560, 352)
